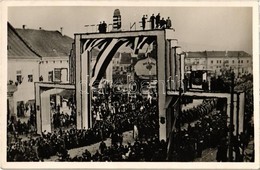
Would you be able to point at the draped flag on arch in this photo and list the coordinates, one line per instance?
(108, 47)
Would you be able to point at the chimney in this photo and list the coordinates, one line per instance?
(61, 28)
(24, 26)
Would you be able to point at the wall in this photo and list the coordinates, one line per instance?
(25, 90)
(48, 64)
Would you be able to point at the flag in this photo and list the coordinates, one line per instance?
(108, 47)
(104, 57)
(137, 43)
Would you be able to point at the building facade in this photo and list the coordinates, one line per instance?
(23, 71)
(33, 56)
(54, 49)
(218, 61)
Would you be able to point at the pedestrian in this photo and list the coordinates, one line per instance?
(162, 24)
(152, 19)
(100, 27)
(102, 147)
(144, 21)
(104, 27)
(168, 23)
(157, 20)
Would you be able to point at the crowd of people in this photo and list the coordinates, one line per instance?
(60, 119)
(157, 22)
(49, 144)
(151, 150)
(208, 132)
(110, 119)
(190, 115)
(122, 112)
(114, 113)
(18, 127)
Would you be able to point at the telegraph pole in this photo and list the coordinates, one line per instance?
(231, 124)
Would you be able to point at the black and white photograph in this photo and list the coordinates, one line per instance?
(144, 83)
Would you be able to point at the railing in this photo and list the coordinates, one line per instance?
(132, 27)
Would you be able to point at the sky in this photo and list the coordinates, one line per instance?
(196, 28)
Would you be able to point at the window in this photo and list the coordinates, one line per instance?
(233, 61)
(57, 74)
(53, 61)
(238, 61)
(219, 61)
(46, 62)
(30, 78)
(19, 76)
(247, 61)
(242, 70)
(211, 61)
(60, 61)
(19, 79)
(241, 61)
(50, 76)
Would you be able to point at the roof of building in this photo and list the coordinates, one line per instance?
(218, 54)
(125, 58)
(47, 43)
(196, 54)
(17, 48)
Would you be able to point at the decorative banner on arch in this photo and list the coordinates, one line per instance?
(108, 47)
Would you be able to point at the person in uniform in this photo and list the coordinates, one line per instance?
(152, 19)
(157, 20)
(143, 22)
(168, 23)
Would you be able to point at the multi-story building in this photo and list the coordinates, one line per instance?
(33, 56)
(23, 71)
(218, 61)
(54, 48)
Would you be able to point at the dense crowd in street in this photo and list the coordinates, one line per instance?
(209, 131)
(113, 114)
(151, 150)
(190, 115)
(110, 118)
(22, 127)
(60, 119)
(122, 112)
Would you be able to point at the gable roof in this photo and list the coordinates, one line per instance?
(217, 54)
(47, 43)
(17, 48)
